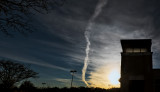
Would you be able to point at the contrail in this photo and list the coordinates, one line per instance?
(98, 9)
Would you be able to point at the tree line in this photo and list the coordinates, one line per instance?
(65, 89)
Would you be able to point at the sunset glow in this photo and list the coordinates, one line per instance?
(114, 77)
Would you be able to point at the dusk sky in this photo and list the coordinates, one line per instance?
(58, 43)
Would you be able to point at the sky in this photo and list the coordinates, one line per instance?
(59, 42)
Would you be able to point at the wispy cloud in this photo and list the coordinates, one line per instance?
(63, 80)
(32, 60)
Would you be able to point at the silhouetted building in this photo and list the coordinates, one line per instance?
(137, 73)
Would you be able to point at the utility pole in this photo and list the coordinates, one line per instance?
(72, 72)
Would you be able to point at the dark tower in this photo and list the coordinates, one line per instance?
(136, 66)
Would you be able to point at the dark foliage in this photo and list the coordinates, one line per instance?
(15, 14)
(11, 72)
(27, 85)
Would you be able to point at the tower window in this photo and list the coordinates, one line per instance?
(130, 50)
(135, 50)
(143, 50)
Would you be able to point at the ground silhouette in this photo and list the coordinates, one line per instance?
(65, 89)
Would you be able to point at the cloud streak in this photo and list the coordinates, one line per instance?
(97, 11)
(33, 61)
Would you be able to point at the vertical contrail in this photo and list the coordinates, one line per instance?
(100, 5)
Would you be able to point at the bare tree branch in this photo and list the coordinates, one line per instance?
(15, 14)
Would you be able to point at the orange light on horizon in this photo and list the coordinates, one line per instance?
(105, 77)
(113, 78)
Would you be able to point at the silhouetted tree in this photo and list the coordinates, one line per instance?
(11, 72)
(27, 85)
(14, 14)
